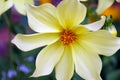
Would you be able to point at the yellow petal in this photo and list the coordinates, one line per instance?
(20, 5)
(43, 18)
(47, 59)
(5, 5)
(29, 42)
(70, 13)
(65, 67)
(103, 42)
(87, 64)
(96, 25)
(103, 5)
(80, 30)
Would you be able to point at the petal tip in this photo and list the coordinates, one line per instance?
(38, 73)
(13, 41)
(103, 17)
(16, 41)
(95, 26)
(35, 74)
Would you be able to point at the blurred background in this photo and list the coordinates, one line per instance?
(18, 65)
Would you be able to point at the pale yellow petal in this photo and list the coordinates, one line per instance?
(96, 25)
(20, 5)
(83, 0)
(65, 67)
(43, 18)
(103, 42)
(5, 5)
(70, 13)
(103, 5)
(29, 42)
(87, 64)
(47, 59)
(80, 30)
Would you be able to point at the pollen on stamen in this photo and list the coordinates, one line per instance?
(67, 37)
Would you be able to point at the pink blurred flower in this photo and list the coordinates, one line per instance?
(4, 38)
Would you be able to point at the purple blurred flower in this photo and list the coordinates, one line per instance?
(56, 2)
(16, 17)
(3, 75)
(24, 69)
(30, 59)
(3, 49)
(4, 38)
(11, 73)
(36, 2)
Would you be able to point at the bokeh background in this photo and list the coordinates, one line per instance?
(18, 65)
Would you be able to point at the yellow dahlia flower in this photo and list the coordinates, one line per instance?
(104, 4)
(69, 44)
(19, 5)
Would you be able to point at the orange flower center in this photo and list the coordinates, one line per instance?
(67, 37)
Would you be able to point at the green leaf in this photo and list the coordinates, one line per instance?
(115, 75)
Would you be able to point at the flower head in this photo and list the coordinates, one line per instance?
(19, 5)
(24, 69)
(106, 3)
(69, 44)
(11, 73)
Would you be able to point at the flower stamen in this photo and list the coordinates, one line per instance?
(67, 37)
